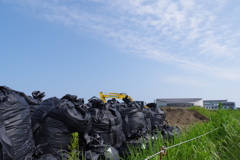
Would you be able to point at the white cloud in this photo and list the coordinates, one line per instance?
(189, 34)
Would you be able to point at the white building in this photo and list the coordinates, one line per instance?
(179, 102)
(213, 104)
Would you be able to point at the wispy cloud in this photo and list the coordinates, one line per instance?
(194, 35)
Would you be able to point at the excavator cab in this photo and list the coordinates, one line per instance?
(140, 103)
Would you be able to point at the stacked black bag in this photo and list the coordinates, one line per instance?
(96, 150)
(106, 122)
(105, 130)
(147, 115)
(120, 137)
(16, 139)
(157, 120)
(134, 123)
(55, 120)
(134, 126)
(157, 117)
(35, 100)
(106, 133)
(1, 151)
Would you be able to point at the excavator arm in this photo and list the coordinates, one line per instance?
(104, 95)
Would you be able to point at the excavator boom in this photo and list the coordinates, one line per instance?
(104, 95)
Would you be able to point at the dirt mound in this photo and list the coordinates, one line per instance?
(183, 117)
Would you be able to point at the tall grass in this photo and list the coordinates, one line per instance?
(221, 144)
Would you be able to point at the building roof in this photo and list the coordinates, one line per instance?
(214, 100)
(179, 100)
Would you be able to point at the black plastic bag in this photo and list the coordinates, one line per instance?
(147, 115)
(1, 151)
(49, 157)
(120, 137)
(134, 123)
(106, 122)
(169, 133)
(96, 150)
(157, 117)
(35, 100)
(38, 154)
(55, 120)
(15, 124)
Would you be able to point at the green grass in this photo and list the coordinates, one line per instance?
(221, 144)
(74, 153)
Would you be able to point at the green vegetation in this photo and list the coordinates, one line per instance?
(74, 147)
(221, 144)
(220, 106)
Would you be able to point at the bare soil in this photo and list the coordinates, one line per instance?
(182, 117)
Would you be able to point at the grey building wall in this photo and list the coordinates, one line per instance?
(212, 104)
(228, 105)
(161, 103)
(179, 102)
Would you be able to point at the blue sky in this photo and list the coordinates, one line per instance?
(146, 48)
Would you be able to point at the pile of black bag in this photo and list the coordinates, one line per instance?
(32, 129)
(157, 117)
(160, 125)
(53, 123)
(106, 133)
(35, 129)
(16, 137)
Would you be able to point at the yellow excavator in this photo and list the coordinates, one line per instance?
(104, 95)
